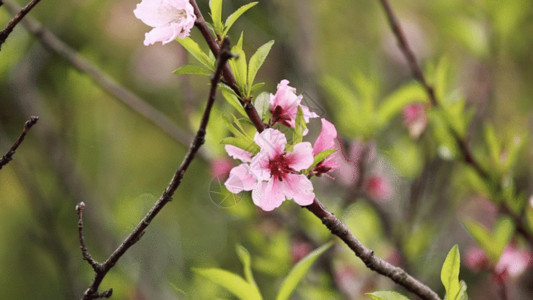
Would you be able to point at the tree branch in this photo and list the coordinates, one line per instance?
(119, 92)
(461, 142)
(101, 269)
(18, 17)
(9, 155)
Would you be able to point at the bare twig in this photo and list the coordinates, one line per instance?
(461, 142)
(9, 155)
(18, 17)
(128, 98)
(101, 269)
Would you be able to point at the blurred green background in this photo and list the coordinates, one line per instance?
(89, 147)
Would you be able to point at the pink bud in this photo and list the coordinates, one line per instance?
(512, 263)
(414, 117)
(220, 167)
(476, 259)
(378, 187)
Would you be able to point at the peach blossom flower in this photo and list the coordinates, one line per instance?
(284, 105)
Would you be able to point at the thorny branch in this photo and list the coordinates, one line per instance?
(462, 143)
(18, 17)
(335, 225)
(101, 269)
(9, 155)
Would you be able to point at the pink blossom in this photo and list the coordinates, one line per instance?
(378, 187)
(299, 250)
(170, 19)
(220, 167)
(476, 259)
(414, 116)
(272, 174)
(326, 141)
(512, 263)
(284, 105)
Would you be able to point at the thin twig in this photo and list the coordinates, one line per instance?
(9, 155)
(103, 268)
(18, 17)
(461, 142)
(119, 92)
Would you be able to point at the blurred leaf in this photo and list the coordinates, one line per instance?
(418, 240)
(386, 295)
(231, 282)
(450, 273)
(192, 70)
(194, 49)
(216, 16)
(342, 96)
(492, 243)
(257, 60)
(244, 257)
(234, 16)
(299, 271)
(395, 102)
(492, 143)
(406, 157)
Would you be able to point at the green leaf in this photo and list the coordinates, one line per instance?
(231, 282)
(244, 257)
(192, 70)
(240, 143)
(299, 271)
(450, 273)
(234, 16)
(256, 87)
(262, 105)
(492, 243)
(502, 233)
(239, 67)
(232, 98)
(299, 127)
(257, 60)
(194, 49)
(482, 237)
(320, 157)
(386, 295)
(216, 15)
(395, 102)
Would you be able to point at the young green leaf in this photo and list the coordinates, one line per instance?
(192, 70)
(320, 157)
(299, 127)
(395, 102)
(262, 105)
(450, 273)
(244, 257)
(231, 282)
(482, 237)
(216, 15)
(256, 87)
(234, 16)
(238, 66)
(194, 49)
(257, 60)
(231, 98)
(299, 271)
(386, 295)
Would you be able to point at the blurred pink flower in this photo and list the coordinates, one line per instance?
(476, 259)
(326, 141)
(220, 167)
(378, 187)
(272, 174)
(414, 116)
(284, 105)
(299, 250)
(171, 19)
(512, 263)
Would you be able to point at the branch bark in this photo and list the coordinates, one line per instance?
(18, 17)
(461, 142)
(9, 155)
(101, 269)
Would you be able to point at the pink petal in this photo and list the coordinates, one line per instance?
(307, 113)
(220, 167)
(271, 141)
(238, 153)
(326, 139)
(164, 34)
(301, 156)
(240, 179)
(299, 188)
(267, 195)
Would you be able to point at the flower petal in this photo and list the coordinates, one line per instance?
(238, 153)
(301, 156)
(267, 195)
(271, 141)
(240, 179)
(326, 139)
(299, 188)
(163, 34)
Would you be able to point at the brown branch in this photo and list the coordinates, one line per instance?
(461, 142)
(228, 79)
(18, 17)
(101, 269)
(9, 155)
(119, 92)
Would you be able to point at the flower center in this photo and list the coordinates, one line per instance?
(279, 166)
(279, 115)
